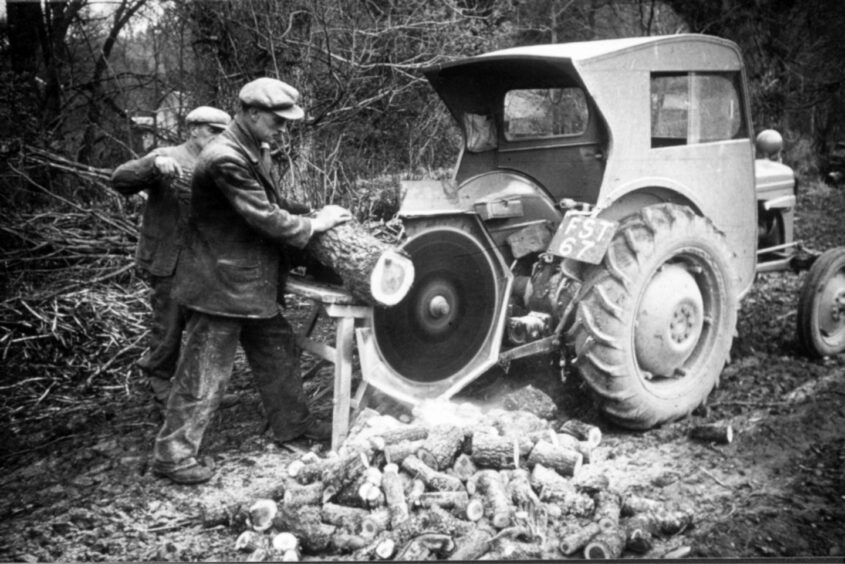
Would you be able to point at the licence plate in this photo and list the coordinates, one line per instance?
(583, 238)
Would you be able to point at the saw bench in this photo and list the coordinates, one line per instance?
(345, 312)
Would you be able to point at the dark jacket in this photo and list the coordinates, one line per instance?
(234, 262)
(166, 209)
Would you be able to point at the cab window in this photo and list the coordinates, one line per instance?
(541, 113)
(691, 108)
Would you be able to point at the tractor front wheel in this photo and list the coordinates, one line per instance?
(821, 307)
(655, 320)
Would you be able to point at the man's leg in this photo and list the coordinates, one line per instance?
(167, 323)
(201, 378)
(271, 352)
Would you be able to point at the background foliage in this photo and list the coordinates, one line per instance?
(78, 73)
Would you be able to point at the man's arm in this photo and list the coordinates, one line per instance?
(133, 176)
(247, 196)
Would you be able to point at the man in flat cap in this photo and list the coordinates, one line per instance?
(231, 276)
(164, 174)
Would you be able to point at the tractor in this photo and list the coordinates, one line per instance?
(610, 204)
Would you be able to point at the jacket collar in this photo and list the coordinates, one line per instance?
(244, 139)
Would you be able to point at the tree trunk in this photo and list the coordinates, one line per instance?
(374, 272)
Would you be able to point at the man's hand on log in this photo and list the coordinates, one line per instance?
(168, 167)
(329, 216)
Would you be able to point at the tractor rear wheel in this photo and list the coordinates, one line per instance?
(655, 320)
(821, 307)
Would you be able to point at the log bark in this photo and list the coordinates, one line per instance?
(426, 545)
(590, 481)
(394, 495)
(447, 500)
(396, 453)
(497, 505)
(605, 545)
(372, 271)
(441, 447)
(633, 504)
(508, 549)
(393, 436)
(499, 452)
(520, 423)
(533, 400)
(575, 541)
(348, 519)
(520, 491)
(433, 479)
(346, 542)
(416, 492)
(563, 461)
(472, 546)
(297, 495)
(608, 509)
(713, 433)
(306, 524)
(582, 431)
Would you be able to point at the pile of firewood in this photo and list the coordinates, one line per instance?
(495, 485)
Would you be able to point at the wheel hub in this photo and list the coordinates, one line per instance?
(669, 322)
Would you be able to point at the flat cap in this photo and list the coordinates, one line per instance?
(208, 115)
(274, 95)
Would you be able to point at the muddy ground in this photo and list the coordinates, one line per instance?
(80, 489)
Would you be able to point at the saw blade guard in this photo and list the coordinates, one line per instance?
(448, 329)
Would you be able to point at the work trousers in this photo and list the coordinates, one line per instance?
(203, 373)
(166, 326)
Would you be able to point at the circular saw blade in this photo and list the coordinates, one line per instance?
(449, 313)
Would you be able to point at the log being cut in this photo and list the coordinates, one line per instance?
(374, 272)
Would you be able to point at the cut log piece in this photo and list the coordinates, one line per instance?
(633, 504)
(261, 514)
(497, 505)
(346, 542)
(397, 435)
(508, 549)
(474, 510)
(425, 546)
(396, 453)
(608, 509)
(441, 447)
(375, 523)
(415, 493)
(638, 541)
(528, 398)
(472, 546)
(713, 433)
(576, 540)
(234, 515)
(433, 479)
(345, 518)
(463, 467)
(306, 524)
(582, 431)
(447, 500)
(520, 423)
(553, 488)
(297, 495)
(590, 481)
(563, 461)
(373, 271)
(663, 521)
(497, 451)
(284, 541)
(249, 541)
(394, 495)
(606, 545)
(520, 491)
